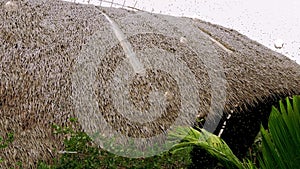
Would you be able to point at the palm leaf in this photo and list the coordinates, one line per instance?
(281, 146)
(207, 141)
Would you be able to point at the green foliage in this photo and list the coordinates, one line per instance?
(255, 150)
(281, 145)
(5, 142)
(207, 141)
(277, 147)
(80, 152)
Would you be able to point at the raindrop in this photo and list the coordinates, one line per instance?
(183, 40)
(278, 43)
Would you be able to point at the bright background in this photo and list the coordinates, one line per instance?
(262, 20)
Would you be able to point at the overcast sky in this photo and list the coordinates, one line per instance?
(261, 20)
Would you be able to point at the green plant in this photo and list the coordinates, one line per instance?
(213, 144)
(281, 145)
(80, 152)
(5, 142)
(255, 150)
(276, 147)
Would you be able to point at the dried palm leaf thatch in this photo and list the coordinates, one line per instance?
(50, 49)
(257, 78)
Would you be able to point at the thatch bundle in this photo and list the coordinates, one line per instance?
(44, 42)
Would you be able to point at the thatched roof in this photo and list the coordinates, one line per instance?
(44, 42)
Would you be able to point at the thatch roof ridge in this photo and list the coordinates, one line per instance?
(278, 69)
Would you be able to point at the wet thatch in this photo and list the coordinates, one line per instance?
(41, 42)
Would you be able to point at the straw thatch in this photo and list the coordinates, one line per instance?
(41, 42)
(257, 78)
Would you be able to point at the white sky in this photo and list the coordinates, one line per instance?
(261, 20)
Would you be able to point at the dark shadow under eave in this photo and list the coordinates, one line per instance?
(240, 130)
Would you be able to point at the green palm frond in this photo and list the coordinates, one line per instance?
(281, 145)
(207, 141)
